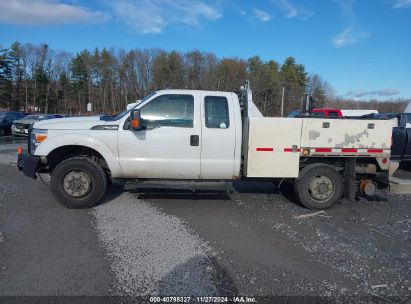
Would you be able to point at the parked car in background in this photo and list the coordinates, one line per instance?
(20, 127)
(6, 120)
(297, 114)
(401, 137)
(327, 112)
(332, 113)
(401, 134)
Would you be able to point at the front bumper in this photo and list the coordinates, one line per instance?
(28, 164)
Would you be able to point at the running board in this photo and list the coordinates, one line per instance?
(192, 186)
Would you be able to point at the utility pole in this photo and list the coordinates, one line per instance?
(307, 103)
(282, 102)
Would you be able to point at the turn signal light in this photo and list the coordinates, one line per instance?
(20, 150)
(135, 123)
(41, 137)
(306, 152)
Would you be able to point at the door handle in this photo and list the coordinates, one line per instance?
(194, 140)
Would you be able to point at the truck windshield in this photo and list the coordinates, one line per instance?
(122, 114)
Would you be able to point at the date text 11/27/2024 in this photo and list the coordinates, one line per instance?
(238, 299)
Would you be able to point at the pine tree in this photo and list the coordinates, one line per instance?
(6, 81)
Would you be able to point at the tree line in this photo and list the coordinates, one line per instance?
(36, 77)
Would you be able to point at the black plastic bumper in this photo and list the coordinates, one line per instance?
(28, 164)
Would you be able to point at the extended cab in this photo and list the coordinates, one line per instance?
(208, 135)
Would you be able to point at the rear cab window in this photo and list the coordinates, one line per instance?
(216, 112)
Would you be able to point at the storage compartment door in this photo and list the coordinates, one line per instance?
(273, 147)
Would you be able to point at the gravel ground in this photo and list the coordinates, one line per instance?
(255, 242)
(153, 253)
(8, 148)
(354, 249)
(46, 249)
(370, 245)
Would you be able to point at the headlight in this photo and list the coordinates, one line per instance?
(37, 137)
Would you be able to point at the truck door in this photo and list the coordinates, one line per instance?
(169, 147)
(218, 139)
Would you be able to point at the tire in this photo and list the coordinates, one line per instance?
(2, 132)
(319, 186)
(109, 180)
(78, 183)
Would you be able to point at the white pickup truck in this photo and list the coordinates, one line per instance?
(208, 136)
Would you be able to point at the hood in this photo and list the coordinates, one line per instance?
(25, 121)
(72, 123)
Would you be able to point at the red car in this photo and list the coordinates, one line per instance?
(328, 112)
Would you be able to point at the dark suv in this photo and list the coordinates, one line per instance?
(6, 120)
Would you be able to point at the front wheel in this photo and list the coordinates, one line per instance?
(319, 186)
(2, 132)
(78, 182)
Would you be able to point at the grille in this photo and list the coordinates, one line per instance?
(22, 126)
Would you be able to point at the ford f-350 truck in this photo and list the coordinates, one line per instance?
(208, 136)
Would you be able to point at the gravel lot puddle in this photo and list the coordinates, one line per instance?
(152, 253)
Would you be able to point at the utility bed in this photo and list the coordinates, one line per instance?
(273, 146)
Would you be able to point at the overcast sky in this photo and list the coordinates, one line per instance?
(362, 47)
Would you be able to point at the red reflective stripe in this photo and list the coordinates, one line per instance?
(322, 150)
(349, 150)
(375, 150)
(264, 149)
(291, 150)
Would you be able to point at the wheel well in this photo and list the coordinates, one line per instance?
(58, 155)
(336, 162)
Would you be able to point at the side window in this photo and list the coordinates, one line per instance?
(216, 112)
(169, 111)
(407, 118)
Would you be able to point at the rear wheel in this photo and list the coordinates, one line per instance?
(319, 186)
(78, 182)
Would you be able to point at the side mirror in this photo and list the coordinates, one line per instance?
(135, 120)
